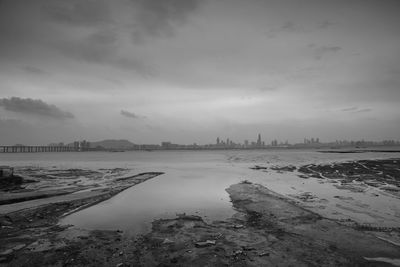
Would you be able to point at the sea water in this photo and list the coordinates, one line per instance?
(194, 182)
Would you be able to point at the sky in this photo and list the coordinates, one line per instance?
(189, 71)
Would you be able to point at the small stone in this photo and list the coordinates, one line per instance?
(121, 253)
(119, 265)
(18, 247)
(6, 252)
(206, 243)
(264, 253)
(6, 222)
(167, 241)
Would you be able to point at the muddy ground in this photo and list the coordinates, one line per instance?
(268, 230)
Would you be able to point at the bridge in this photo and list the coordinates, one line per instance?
(34, 149)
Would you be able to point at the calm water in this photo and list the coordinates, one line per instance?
(194, 182)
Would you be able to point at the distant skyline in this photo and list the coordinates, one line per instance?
(187, 71)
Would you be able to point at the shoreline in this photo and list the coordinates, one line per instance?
(267, 229)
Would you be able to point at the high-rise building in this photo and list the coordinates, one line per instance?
(259, 140)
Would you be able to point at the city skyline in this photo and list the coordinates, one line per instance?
(189, 70)
(86, 145)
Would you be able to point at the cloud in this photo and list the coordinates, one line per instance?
(356, 110)
(131, 115)
(321, 51)
(363, 110)
(101, 48)
(77, 12)
(268, 88)
(35, 107)
(287, 27)
(325, 24)
(158, 18)
(34, 70)
(350, 109)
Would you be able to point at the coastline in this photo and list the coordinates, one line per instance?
(267, 229)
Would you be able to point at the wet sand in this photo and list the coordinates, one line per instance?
(268, 229)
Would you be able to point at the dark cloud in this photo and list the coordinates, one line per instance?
(77, 12)
(350, 109)
(325, 24)
(131, 115)
(101, 48)
(105, 37)
(287, 27)
(158, 18)
(34, 70)
(98, 47)
(321, 51)
(35, 107)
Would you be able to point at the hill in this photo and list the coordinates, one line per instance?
(113, 144)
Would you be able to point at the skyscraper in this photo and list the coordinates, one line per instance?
(259, 140)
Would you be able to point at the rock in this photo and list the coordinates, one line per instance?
(167, 241)
(121, 253)
(263, 253)
(183, 216)
(6, 252)
(238, 252)
(18, 247)
(256, 167)
(206, 243)
(119, 265)
(6, 222)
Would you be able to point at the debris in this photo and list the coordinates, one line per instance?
(167, 241)
(18, 247)
(257, 167)
(206, 243)
(239, 252)
(264, 253)
(6, 252)
(183, 216)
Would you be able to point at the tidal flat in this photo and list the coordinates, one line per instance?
(265, 209)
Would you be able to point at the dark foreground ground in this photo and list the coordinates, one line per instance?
(267, 230)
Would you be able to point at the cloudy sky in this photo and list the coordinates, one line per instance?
(191, 70)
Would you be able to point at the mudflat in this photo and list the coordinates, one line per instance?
(268, 229)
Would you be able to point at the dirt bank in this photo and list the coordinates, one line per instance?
(29, 232)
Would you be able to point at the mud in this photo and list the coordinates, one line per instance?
(268, 229)
(358, 175)
(30, 234)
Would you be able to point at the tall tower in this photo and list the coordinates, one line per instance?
(259, 140)
(218, 141)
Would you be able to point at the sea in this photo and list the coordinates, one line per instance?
(194, 182)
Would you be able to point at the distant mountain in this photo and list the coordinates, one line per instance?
(113, 144)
